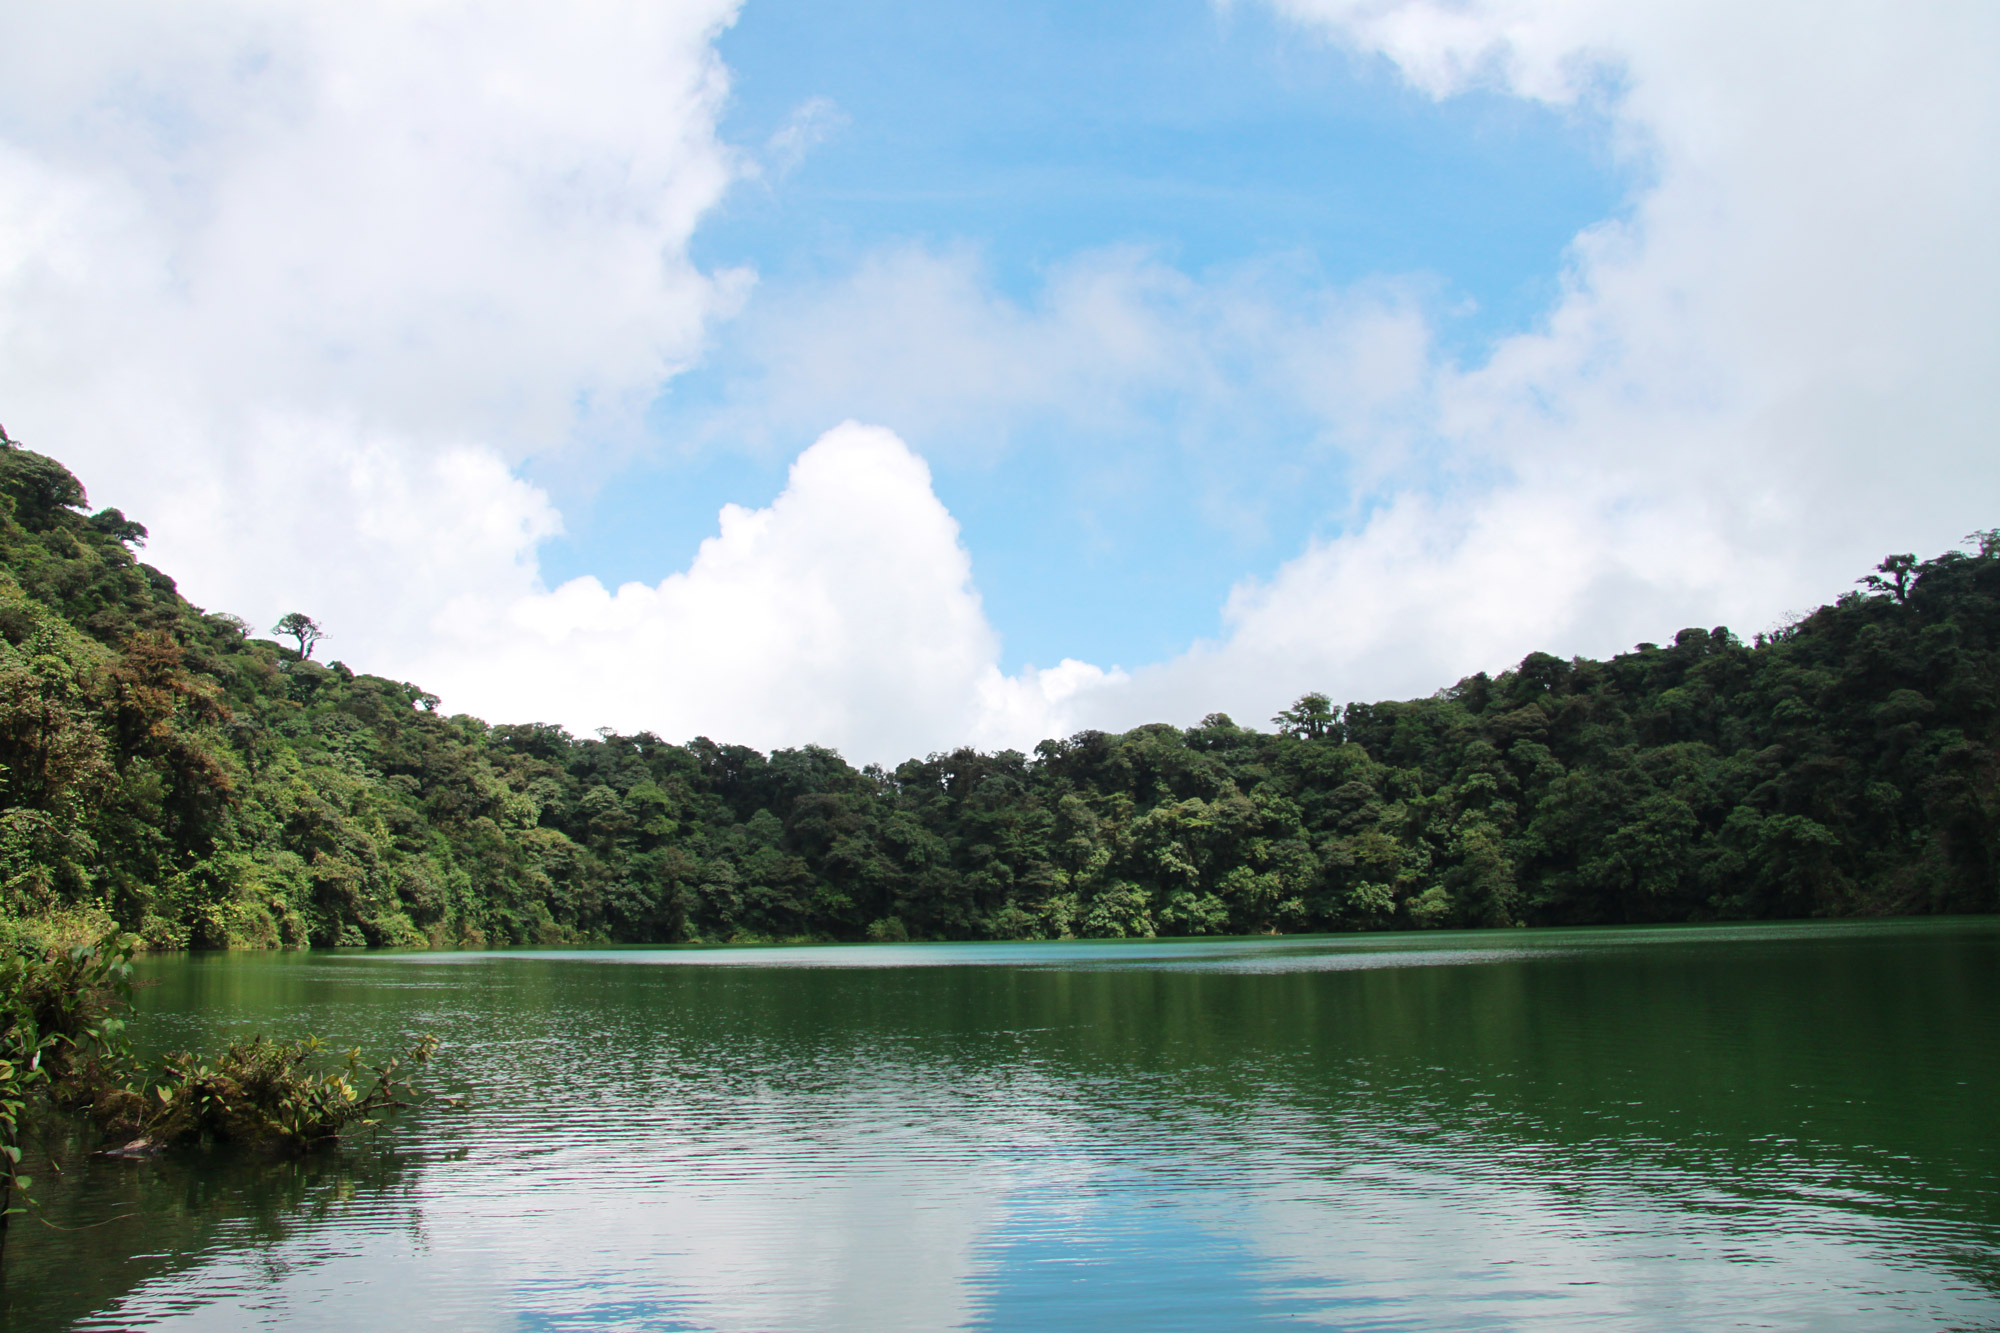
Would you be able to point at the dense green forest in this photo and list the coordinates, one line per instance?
(209, 788)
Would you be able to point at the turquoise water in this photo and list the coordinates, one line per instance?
(1789, 1126)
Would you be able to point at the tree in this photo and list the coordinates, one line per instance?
(1898, 569)
(43, 490)
(113, 524)
(1309, 719)
(298, 625)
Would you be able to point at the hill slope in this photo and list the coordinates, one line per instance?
(209, 789)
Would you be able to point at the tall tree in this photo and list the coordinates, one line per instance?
(298, 625)
(1308, 719)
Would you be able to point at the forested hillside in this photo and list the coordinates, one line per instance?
(210, 788)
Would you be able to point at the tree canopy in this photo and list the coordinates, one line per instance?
(299, 626)
(208, 788)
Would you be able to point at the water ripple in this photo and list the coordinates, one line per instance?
(1747, 1128)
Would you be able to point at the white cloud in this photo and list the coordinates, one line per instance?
(301, 285)
(303, 288)
(811, 124)
(920, 337)
(1778, 369)
(1128, 387)
(843, 614)
(1772, 369)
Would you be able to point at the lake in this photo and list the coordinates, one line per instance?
(1774, 1126)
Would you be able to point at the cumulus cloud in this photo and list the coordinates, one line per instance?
(1217, 395)
(304, 288)
(1771, 369)
(843, 614)
(303, 285)
(1775, 370)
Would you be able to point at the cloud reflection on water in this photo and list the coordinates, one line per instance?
(1592, 1133)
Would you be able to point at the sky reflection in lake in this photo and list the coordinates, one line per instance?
(1743, 1127)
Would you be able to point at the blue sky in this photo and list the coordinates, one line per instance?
(1028, 134)
(1219, 351)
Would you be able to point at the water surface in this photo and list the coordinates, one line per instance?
(1787, 1126)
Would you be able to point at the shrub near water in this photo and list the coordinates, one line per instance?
(63, 1049)
(258, 1092)
(60, 1036)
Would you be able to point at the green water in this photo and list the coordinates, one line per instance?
(1757, 1127)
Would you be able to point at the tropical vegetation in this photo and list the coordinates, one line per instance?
(205, 787)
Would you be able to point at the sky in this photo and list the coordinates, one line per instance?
(897, 376)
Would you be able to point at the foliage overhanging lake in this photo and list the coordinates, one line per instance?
(210, 789)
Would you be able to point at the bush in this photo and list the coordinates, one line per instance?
(260, 1093)
(63, 1047)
